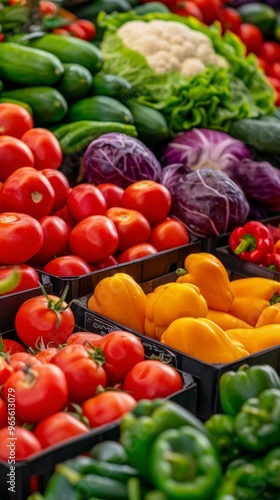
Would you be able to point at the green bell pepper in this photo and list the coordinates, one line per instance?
(231, 489)
(184, 464)
(271, 463)
(140, 427)
(258, 422)
(109, 451)
(235, 387)
(223, 434)
(59, 487)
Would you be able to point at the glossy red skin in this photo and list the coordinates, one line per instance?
(132, 226)
(5, 370)
(150, 198)
(137, 252)
(188, 8)
(112, 193)
(99, 247)
(45, 147)
(56, 240)
(107, 407)
(252, 37)
(27, 191)
(15, 120)
(230, 20)
(39, 392)
(19, 360)
(169, 234)
(67, 265)
(85, 338)
(25, 445)
(14, 154)
(85, 200)
(64, 214)
(270, 51)
(60, 186)
(108, 262)
(29, 278)
(12, 346)
(88, 27)
(21, 236)
(211, 10)
(57, 428)
(46, 355)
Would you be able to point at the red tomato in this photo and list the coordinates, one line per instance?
(188, 8)
(27, 191)
(107, 407)
(3, 414)
(230, 20)
(169, 234)
(40, 391)
(131, 225)
(88, 27)
(5, 370)
(275, 82)
(108, 262)
(47, 8)
(270, 52)
(152, 379)
(46, 355)
(94, 238)
(85, 200)
(122, 350)
(29, 278)
(11, 346)
(210, 9)
(24, 445)
(150, 198)
(274, 70)
(56, 240)
(61, 31)
(45, 147)
(264, 65)
(84, 338)
(67, 265)
(45, 318)
(57, 428)
(252, 37)
(2, 37)
(76, 31)
(60, 186)
(63, 213)
(14, 120)
(19, 360)
(21, 236)
(14, 154)
(112, 193)
(137, 252)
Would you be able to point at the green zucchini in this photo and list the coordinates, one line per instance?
(111, 86)
(70, 50)
(261, 15)
(100, 108)
(90, 10)
(28, 66)
(150, 124)
(261, 134)
(48, 105)
(75, 82)
(16, 101)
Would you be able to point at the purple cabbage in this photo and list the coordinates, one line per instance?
(119, 159)
(207, 201)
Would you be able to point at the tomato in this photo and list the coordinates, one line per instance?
(61, 31)
(40, 391)
(170, 233)
(60, 186)
(11, 346)
(230, 20)
(63, 213)
(56, 240)
(44, 318)
(112, 193)
(45, 147)
(27, 191)
(264, 65)
(122, 350)
(137, 252)
(94, 238)
(2, 37)
(47, 8)
(67, 265)
(88, 27)
(24, 444)
(3, 414)
(84, 338)
(252, 37)
(14, 154)
(275, 82)
(85, 200)
(19, 360)
(14, 120)
(210, 10)
(107, 407)
(150, 198)
(21, 236)
(5, 370)
(57, 428)
(152, 379)
(270, 52)
(46, 355)
(274, 70)
(131, 225)
(188, 8)
(29, 278)
(76, 31)
(108, 262)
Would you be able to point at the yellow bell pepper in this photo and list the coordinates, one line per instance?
(201, 338)
(208, 273)
(169, 302)
(256, 339)
(248, 309)
(270, 316)
(121, 299)
(225, 320)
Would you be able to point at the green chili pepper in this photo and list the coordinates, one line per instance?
(88, 465)
(222, 433)
(271, 464)
(184, 464)
(258, 422)
(235, 387)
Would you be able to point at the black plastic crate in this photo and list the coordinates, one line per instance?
(242, 267)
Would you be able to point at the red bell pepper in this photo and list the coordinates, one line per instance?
(272, 261)
(252, 242)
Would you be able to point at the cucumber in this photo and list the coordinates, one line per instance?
(150, 124)
(261, 134)
(100, 108)
(28, 66)
(75, 82)
(111, 86)
(48, 105)
(70, 50)
(261, 15)
(151, 7)
(19, 103)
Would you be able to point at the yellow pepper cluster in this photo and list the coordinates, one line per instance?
(202, 314)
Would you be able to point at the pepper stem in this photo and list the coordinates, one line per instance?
(183, 468)
(247, 244)
(181, 271)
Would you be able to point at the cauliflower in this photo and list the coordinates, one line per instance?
(192, 66)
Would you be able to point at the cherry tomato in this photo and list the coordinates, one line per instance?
(76, 31)
(252, 38)
(45, 147)
(40, 391)
(3, 414)
(230, 20)
(47, 8)
(188, 8)
(29, 278)
(108, 262)
(85, 200)
(14, 120)
(11, 346)
(137, 252)
(94, 238)
(122, 350)
(107, 407)
(21, 236)
(150, 198)
(152, 379)
(56, 240)
(57, 428)
(27, 191)
(112, 193)
(60, 186)
(5, 370)
(19, 360)
(14, 154)
(170, 233)
(131, 225)
(210, 10)
(270, 52)
(67, 265)
(24, 445)
(45, 318)
(88, 27)
(84, 338)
